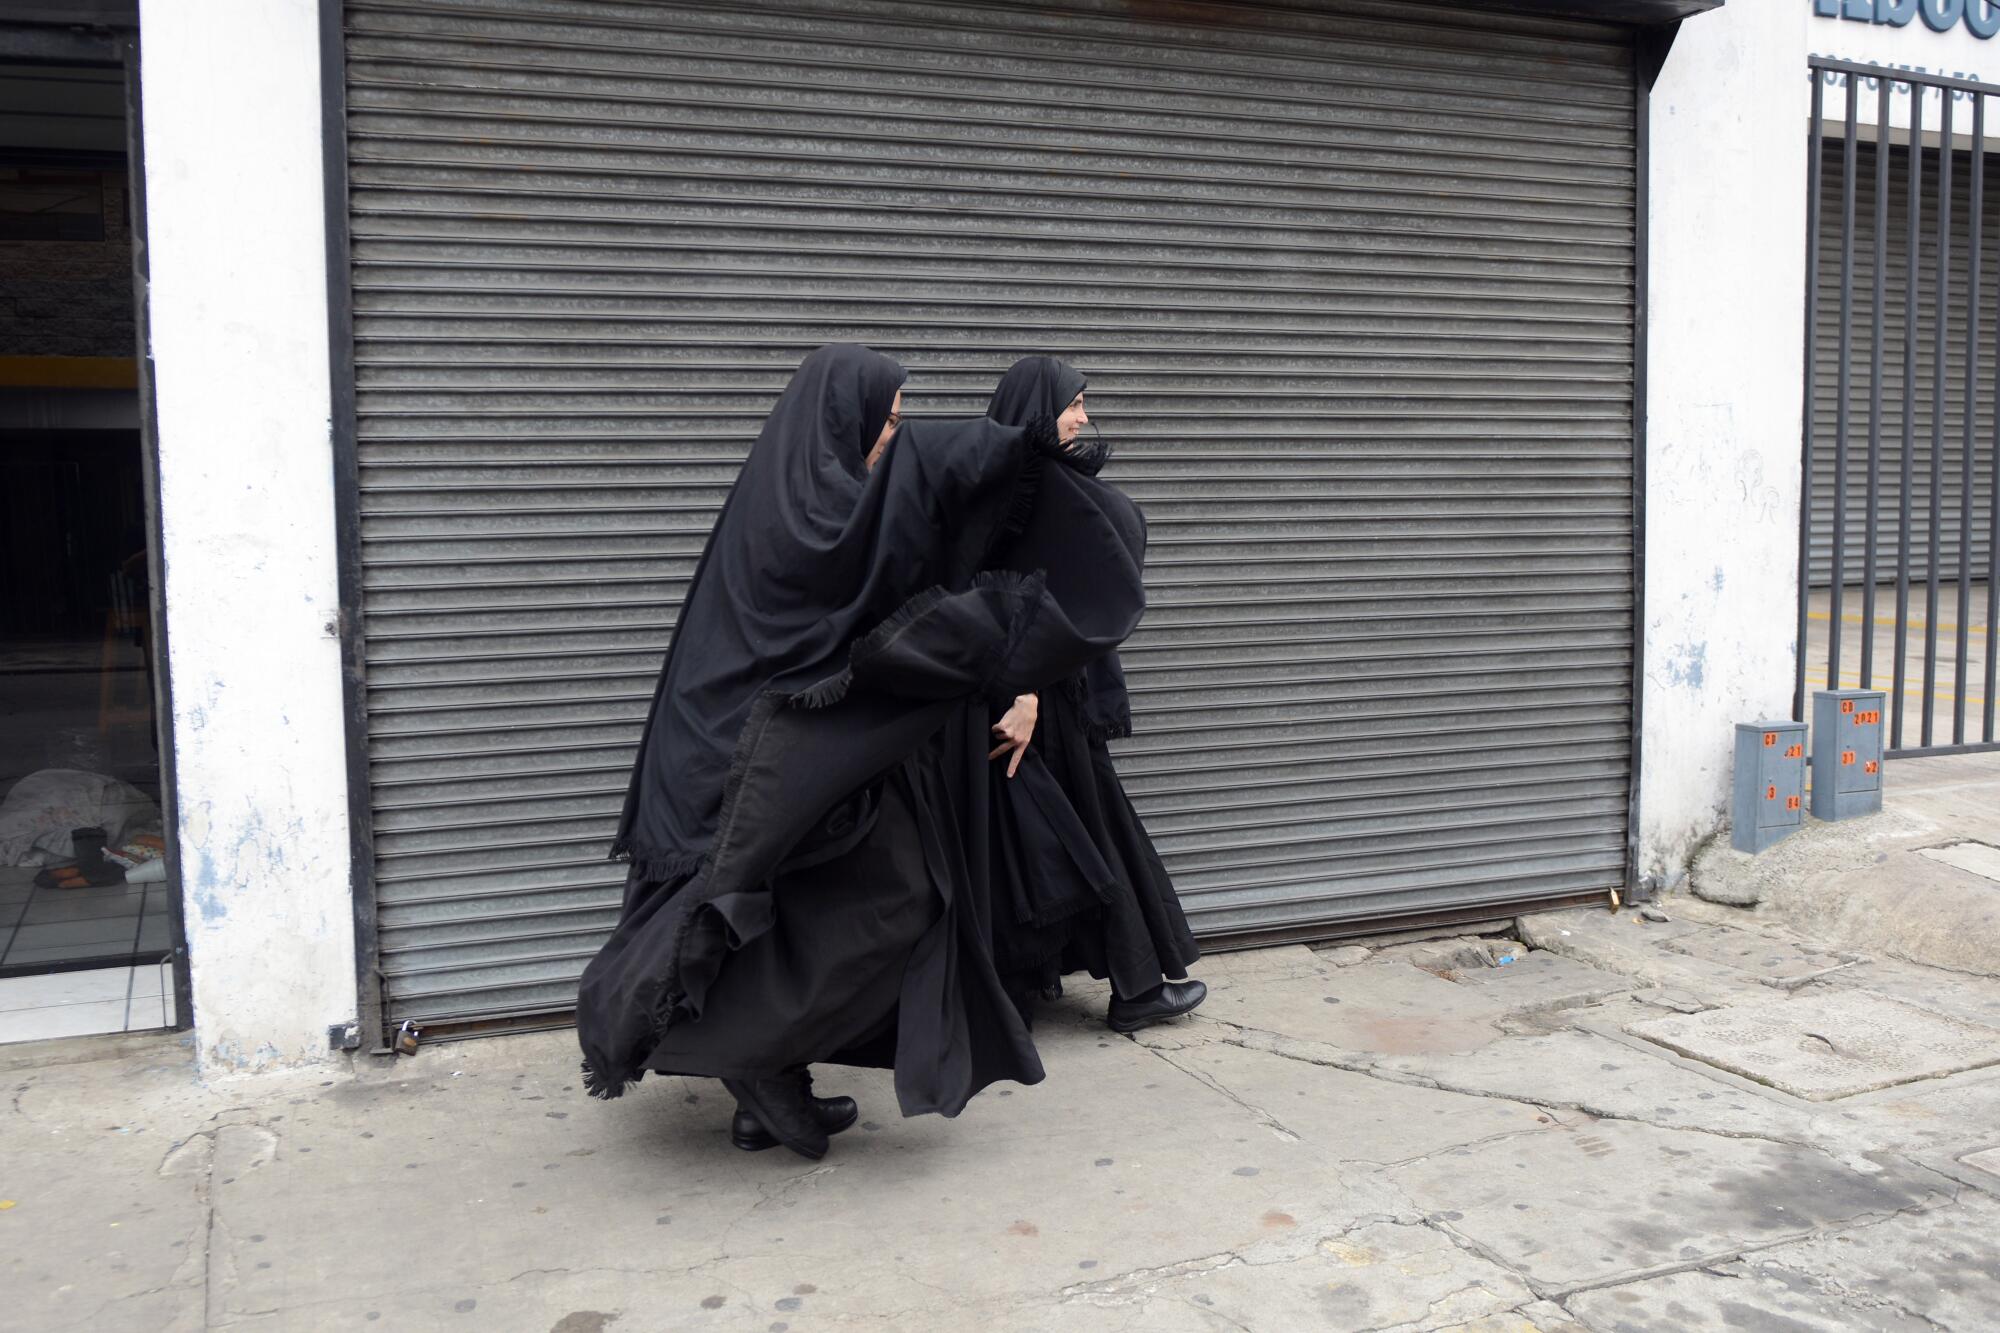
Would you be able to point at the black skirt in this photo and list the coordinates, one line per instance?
(1129, 927)
(823, 985)
(880, 956)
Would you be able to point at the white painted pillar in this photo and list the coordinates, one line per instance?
(239, 334)
(1726, 372)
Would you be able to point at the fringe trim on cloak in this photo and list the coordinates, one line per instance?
(1042, 443)
(670, 1005)
(606, 1087)
(1097, 730)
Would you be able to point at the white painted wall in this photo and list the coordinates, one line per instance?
(1726, 376)
(1726, 330)
(234, 193)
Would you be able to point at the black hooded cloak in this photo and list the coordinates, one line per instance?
(808, 816)
(1106, 906)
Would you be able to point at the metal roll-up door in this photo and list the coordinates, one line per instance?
(1924, 466)
(1354, 286)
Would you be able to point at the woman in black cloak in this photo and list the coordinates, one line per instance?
(808, 820)
(1120, 920)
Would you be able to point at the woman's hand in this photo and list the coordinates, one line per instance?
(1015, 729)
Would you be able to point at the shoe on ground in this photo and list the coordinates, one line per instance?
(1169, 999)
(832, 1114)
(783, 1108)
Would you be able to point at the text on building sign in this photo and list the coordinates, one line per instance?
(1981, 17)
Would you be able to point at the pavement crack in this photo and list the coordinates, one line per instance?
(579, 1272)
(1213, 1084)
(1439, 1310)
(1126, 1285)
(770, 1192)
(1501, 1137)
(1740, 1253)
(1486, 1254)
(1290, 1048)
(1860, 1297)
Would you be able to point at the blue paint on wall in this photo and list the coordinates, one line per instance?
(1687, 665)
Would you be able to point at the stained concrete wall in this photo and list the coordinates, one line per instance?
(1727, 328)
(1725, 374)
(239, 335)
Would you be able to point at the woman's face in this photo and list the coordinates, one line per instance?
(1072, 421)
(888, 431)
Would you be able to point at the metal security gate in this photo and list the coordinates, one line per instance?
(1354, 285)
(1900, 314)
(1898, 562)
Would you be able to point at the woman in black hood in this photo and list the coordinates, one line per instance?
(807, 819)
(1129, 927)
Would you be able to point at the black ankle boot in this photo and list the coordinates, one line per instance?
(782, 1105)
(832, 1114)
(1169, 999)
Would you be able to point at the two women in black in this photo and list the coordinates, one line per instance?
(829, 864)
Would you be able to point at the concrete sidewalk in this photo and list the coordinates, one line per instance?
(1631, 1125)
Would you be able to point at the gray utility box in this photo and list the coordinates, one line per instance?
(1770, 783)
(1847, 753)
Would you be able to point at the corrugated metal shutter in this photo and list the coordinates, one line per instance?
(1354, 285)
(1895, 312)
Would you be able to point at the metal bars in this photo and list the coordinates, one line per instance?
(1871, 578)
(1899, 451)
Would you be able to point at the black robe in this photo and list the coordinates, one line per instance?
(808, 821)
(1098, 899)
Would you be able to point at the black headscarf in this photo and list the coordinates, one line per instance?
(812, 550)
(1044, 386)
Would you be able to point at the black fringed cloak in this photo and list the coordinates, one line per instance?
(845, 630)
(1043, 386)
(793, 572)
(1097, 897)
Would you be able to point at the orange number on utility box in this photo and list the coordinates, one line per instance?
(1846, 758)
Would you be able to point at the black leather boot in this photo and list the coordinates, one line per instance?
(782, 1106)
(1169, 999)
(832, 1114)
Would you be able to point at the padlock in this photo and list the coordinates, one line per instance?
(407, 1037)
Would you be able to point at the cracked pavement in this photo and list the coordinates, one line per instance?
(1471, 1135)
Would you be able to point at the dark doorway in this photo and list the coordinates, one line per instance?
(86, 926)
